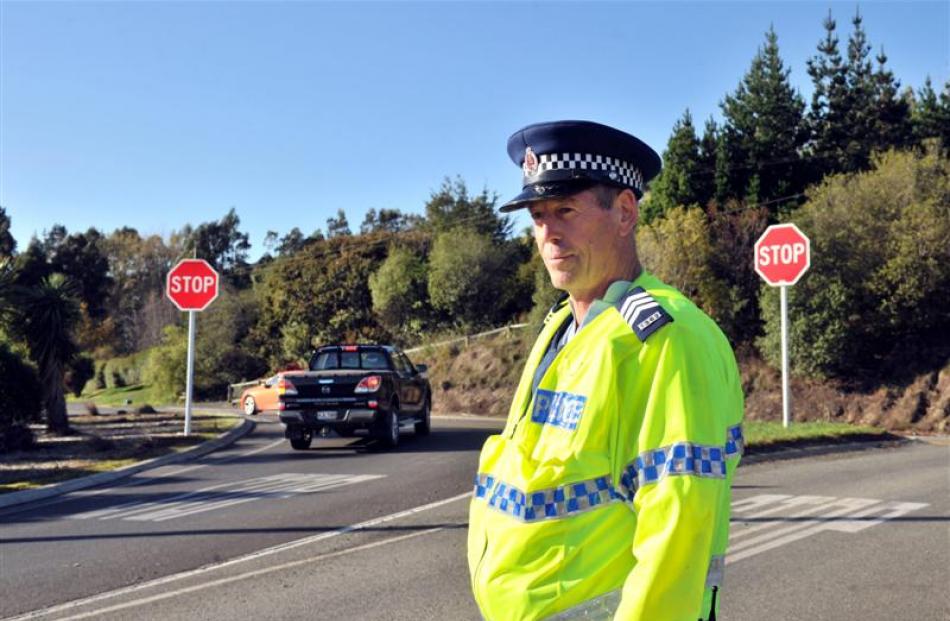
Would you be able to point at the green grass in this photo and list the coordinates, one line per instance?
(765, 433)
(138, 394)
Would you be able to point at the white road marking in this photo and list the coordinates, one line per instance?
(820, 514)
(245, 576)
(67, 606)
(227, 494)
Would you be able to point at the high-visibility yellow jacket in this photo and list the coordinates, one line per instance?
(607, 495)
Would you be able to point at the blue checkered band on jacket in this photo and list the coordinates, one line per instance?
(735, 442)
(549, 503)
(681, 458)
(619, 170)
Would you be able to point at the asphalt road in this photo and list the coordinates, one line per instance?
(344, 532)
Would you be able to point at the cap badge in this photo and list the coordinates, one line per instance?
(530, 166)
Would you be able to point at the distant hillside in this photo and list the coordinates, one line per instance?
(481, 378)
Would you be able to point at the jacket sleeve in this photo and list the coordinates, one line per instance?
(677, 478)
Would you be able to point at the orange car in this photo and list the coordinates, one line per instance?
(264, 396)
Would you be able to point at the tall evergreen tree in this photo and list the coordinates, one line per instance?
(892, 112)
(764, 131)
(706, 173)
(829, 105)
(677, 184)
(931, 114)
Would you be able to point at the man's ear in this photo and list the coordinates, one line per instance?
(628, 210)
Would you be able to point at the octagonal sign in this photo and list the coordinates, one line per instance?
(192, 285)
(782, 255)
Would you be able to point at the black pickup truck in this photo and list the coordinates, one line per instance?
(355, 387)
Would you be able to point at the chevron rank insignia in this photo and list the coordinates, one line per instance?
(643, 313)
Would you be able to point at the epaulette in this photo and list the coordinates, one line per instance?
(554, 309)
(644, 314)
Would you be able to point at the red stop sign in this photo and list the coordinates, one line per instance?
(782, 254)
(192, 285)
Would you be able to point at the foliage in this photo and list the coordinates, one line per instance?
(167, 363)
(338, 226)
(80, 370)
(324, 288)
(222, 245)
(467, 274)
(7, 242)
(931, 115)
(19, 400)
(450, 207)
(679, 182)
(880, 273)
(764, 132)
(733, 232)
(400, 298)
(46, 315)
(678, 250)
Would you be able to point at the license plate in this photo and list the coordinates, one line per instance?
(326, 415)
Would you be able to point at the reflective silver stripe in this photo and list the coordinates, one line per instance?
(717, 569)
(601, 608)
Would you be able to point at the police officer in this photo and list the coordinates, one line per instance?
(607, 494)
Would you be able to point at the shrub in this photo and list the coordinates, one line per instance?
(880, 270)
(19, 400)
(80, 371)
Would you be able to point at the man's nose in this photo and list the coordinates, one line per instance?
(547, 229)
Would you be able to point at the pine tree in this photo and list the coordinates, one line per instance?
(829, 105)
(677, 183)
(861, 116)
(892, 112)
(706, 173)
(764, 131)
(931, 114)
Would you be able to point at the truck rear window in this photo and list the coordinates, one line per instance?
(335, 359)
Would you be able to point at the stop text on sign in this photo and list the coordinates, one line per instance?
(782, 255)
(787, 253)
(192, 285)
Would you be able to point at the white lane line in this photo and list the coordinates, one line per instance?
(64, 607)
(246, 575)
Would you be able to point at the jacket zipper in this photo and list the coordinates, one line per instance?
(478, 570)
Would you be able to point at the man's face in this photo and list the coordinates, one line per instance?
(580, 242)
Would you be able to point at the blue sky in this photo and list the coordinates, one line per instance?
(157, 114)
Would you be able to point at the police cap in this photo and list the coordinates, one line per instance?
(562, 158)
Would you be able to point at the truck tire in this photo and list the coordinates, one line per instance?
(301, 440)
(424, 427)
(388, 431)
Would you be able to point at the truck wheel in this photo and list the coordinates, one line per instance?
(250, 408)
(388, 432)
(301, 440)
(424, 426)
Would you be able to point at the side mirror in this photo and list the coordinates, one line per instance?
(422, 368)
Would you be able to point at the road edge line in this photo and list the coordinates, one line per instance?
(132, 588)
(72, 485)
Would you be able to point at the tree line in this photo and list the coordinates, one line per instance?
(863, 169)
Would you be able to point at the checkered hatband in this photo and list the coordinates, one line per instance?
(599, 166)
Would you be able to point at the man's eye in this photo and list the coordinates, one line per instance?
(563, 211)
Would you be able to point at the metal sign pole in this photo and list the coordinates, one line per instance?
(786, 406)
(189, 383)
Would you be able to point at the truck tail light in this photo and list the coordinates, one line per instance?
(281, 406)
(370, 383)
(286, 387)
